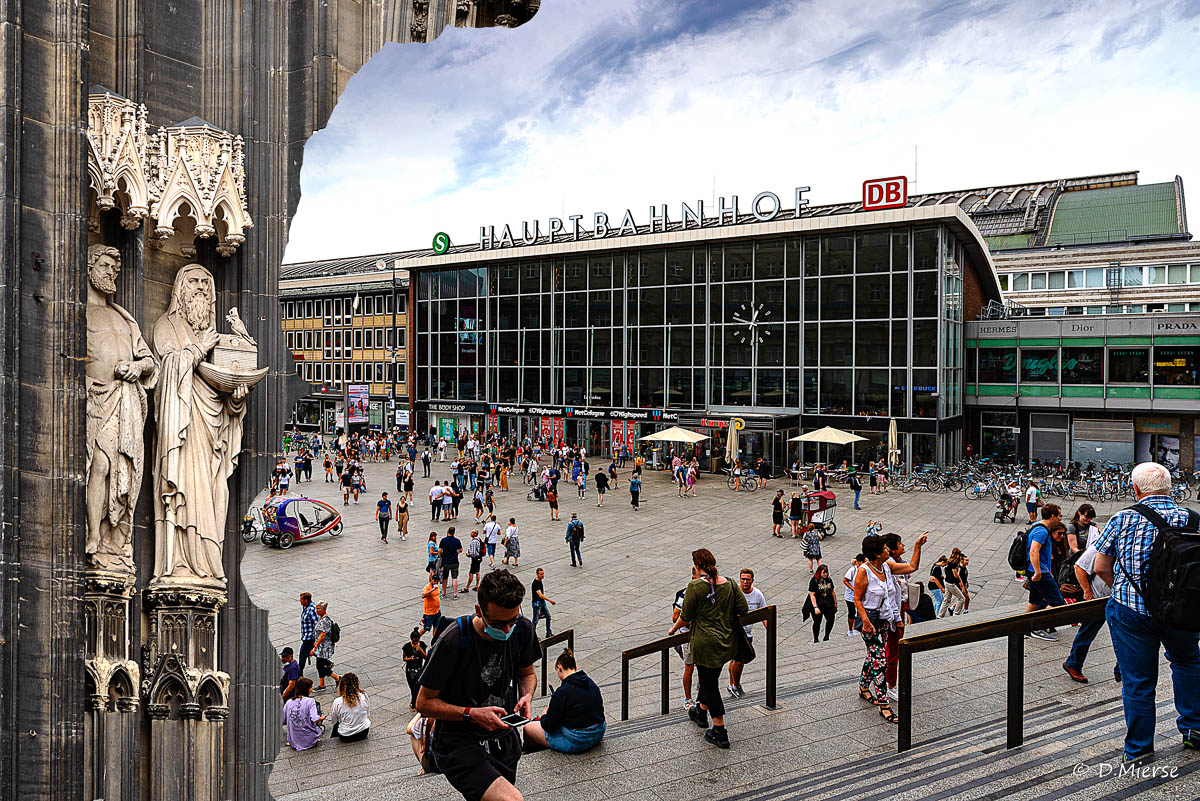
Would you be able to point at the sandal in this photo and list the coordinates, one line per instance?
(887, 714)
(866, 696)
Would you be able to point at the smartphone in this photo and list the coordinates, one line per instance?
(514, 720)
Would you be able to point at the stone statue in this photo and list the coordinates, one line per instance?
(120, 368)
(237, 326)
(199, 437)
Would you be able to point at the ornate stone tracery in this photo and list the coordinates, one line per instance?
(189, 178)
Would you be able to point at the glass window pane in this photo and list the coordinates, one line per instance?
(1132, 276)
(811, 385)
(1083, 365)
(925, 294)
(871, 295)
(1075, 279)
(679, 305)
(997, 365)
(792, 307)
(1039, 364)
(737, 387)
(794, 257)
(812, 299)
(924, 401)
(1176, 366)
(651, 307)
(449, 288)
(1037, 281)
(651, 268)
(770, 387)
(837, 392)
(768, 259)
(1020, 282)
(1129, 365)
(873, 252)
(925, 249)
(680, 389)
(770, 346)
(837, 298)
(737, 262)
(1003, 277)
(871, 345)
(836, 344)
(900, 251)
(899, 393)
(925, 343)
(811, 341)
(900, 295)
(837, 255)
(899, 343)
(812, 257)
(1057, 280)
(600, 272)
(1195, 274)
(1177, 274)
(679, 267)
(871, 392)
(651, 346)
(1094, 277)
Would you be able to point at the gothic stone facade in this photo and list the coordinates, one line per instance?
(113, 684)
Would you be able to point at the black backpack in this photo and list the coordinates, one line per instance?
(1018, 552)
(335, 633)
(1066, 571)
(1170, 585)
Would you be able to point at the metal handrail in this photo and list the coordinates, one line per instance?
(568, 636)
(665, 644)
(1014, 627)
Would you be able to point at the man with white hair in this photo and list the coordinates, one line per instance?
(1122, 561)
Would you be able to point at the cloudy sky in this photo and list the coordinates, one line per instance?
(603, 106)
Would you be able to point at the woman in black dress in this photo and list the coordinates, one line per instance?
(414, 660)
(777, 514)
(822, 603)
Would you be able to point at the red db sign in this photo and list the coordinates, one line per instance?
(885, 193)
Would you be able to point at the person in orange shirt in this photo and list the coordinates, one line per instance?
(433, 606)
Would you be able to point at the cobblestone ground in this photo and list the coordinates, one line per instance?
(621, 597)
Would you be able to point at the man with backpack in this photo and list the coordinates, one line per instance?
(574, 537)
(1150, 555)
(1043, 589)
(855, 486)
(480, 669)
(328, 633)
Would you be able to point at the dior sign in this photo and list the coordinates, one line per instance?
(765, 207)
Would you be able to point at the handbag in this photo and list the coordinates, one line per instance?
(743, 648)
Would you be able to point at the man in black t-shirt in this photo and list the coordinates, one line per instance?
(449, 549)
(480, 669)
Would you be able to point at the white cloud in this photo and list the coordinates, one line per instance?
(604, 106)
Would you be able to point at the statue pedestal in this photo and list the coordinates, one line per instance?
(110, 732)
(186, 696)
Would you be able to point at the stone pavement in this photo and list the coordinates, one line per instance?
(822, 742)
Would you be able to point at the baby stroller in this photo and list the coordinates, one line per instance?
(1006, 510)
(538, 493)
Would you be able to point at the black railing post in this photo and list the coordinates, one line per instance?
(772, 634)
(665, 689)
(904, 736)
(624, 687)
(1016, 689)
(543, 670)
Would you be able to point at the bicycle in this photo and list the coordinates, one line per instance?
(748, 483)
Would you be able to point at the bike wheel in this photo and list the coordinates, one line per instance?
(750, 486)
(250, 534)
(336, 531)
(830, 528)
(286, 540)
(972, 493)
(732, 484)
(1185, 492)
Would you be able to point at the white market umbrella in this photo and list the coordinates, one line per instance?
(675, 434)
(833, 436)
(893, 444)
(731, 446)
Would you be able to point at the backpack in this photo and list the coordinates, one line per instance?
(1018, 552)
(573, 527)
(1170, 585)
(1066, 571)
(335, 633)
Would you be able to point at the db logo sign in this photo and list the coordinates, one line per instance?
(885, 193)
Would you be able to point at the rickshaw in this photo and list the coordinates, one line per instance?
(286, 520)
(818, 509)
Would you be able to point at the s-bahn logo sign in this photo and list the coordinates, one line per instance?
(885, 193)
(765, 207)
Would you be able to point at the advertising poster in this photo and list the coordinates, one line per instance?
(560, 429)
(1161, 448)
(547, 428)
(358, 400)
(618, 436)
(631, 437)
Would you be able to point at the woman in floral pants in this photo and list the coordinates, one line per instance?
(877, 601)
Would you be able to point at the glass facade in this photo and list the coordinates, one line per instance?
(857, 323)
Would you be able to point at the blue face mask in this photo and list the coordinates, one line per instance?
(495, 633)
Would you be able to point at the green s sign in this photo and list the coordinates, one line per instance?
(441, 242)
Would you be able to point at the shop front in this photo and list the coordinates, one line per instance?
(599, 431)
(449, 419)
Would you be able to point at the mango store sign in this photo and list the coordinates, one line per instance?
(765, 207)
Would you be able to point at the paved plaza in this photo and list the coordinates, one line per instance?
(823, 742)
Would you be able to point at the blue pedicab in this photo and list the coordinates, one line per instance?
(286, 520)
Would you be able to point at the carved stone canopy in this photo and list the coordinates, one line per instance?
(189, 178)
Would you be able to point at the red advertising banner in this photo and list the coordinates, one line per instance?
(631, 437)
(493, 422)
(560, 429)
(618, 436)
(547, 430)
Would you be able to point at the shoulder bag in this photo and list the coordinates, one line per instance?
(743, 648)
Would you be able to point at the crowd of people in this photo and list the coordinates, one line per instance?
(468, 674)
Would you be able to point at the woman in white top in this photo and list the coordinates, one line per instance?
(512, 542)
(349, 711)
(877, 601)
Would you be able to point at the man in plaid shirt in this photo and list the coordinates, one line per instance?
(308, 628)
(1123, 551)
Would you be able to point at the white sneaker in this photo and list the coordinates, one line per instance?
(732, 691)
(853, 633)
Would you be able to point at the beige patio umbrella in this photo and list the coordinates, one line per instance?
(833, 436)
(893, 457)
(675, 434)
(731, 446)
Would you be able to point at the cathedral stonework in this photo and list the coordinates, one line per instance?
(144, 373)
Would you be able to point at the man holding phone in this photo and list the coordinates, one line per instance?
(480, 670)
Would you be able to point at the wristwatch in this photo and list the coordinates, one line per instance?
(466, 716)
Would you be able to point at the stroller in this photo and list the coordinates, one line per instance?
(538, 493)
(1006, 509)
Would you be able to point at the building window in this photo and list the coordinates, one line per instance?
(1039, 365)
(1129, 365)
(997, 365)
(369, 338)
(308, 340)
(1176, 366)
(401, 335)
(337, 311)
(358, 338)
(1083, 365)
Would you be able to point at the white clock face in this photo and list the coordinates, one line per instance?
(750, 320)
